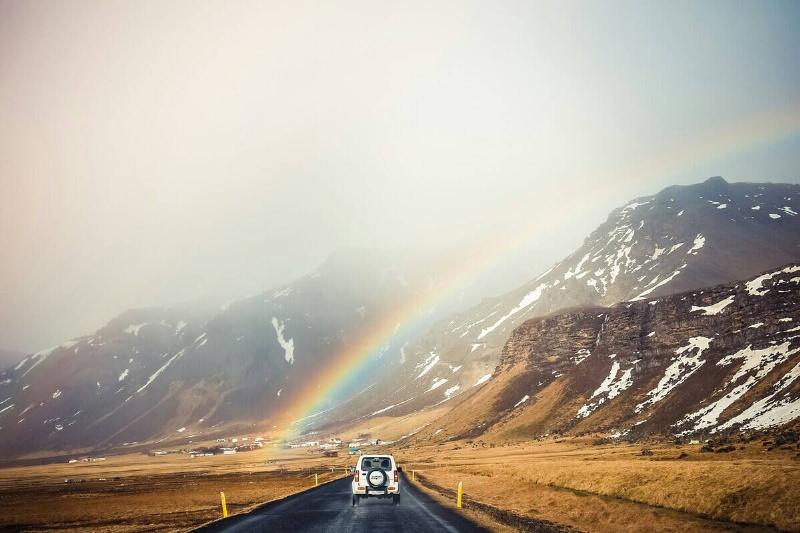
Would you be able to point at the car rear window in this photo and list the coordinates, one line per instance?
(384, 463)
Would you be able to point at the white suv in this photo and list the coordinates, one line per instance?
(376, 476)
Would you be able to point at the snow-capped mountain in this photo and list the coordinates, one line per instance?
(684, 237)
(155, 374)
(695, 363)
(174, 372)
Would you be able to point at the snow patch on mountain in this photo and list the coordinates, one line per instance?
(383, 410)
(158, 372)
(758, 362)
(287, 345)
(482, 380)
(41, 356)
(527, 301)
(282, 293)
(581, 355)
(452, 390)
(659, 284)
(437, 382)
(714, 309)
(698, 244)
(770, 411)
(755, 287)
(688, 361)
(429, 363)
(134, 329)
(609, 389)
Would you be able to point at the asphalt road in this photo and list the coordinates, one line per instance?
(328, 509)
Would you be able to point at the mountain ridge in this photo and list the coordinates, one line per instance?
(162, 373)
(681, 238)
(696, 363)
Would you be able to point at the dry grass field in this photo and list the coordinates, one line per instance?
(614, 487)
(575, 482)
(135, 492)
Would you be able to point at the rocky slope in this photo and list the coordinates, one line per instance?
(684, 237)
(701, 362)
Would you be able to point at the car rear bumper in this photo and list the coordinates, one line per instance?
(390, 490)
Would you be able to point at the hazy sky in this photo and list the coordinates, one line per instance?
(157, 151)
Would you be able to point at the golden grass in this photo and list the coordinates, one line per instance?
(606, 488)
(134, 492)
(611, 488)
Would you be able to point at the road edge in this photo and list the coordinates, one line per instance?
(496, 515)
(260, 505)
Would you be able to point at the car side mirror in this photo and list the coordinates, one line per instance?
(399, 468)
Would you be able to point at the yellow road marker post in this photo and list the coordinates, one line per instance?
(413, 475)
(224, 505)
(460, 492)
(316, 480)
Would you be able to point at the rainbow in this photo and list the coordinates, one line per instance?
(755, 130)
(312, 398)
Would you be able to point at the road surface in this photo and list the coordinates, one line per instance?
(328, 509)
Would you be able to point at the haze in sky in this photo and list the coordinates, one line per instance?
(157, 152)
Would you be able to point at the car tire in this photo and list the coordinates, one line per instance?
(356, 497)
(396, 499)
(384, 478)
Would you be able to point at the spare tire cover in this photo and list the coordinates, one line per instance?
(377, 478)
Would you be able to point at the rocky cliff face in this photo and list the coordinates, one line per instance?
(700, 362)
(682, 238)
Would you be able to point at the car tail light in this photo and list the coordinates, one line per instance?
(395, 476)
(357, 473)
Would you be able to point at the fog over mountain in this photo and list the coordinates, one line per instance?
(156, 154)
(151, 374)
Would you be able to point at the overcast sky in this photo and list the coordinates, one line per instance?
(155, 152)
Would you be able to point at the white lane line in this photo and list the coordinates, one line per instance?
(448, 527)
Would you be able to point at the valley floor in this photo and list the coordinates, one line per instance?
(614, 488)
(135, 492)
(584, 484)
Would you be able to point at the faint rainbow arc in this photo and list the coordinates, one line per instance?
(756, 129)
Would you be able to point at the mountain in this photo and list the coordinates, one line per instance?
(159, 373)
(10, 357)
(175, 372)
(684, 237)
(695, 363)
